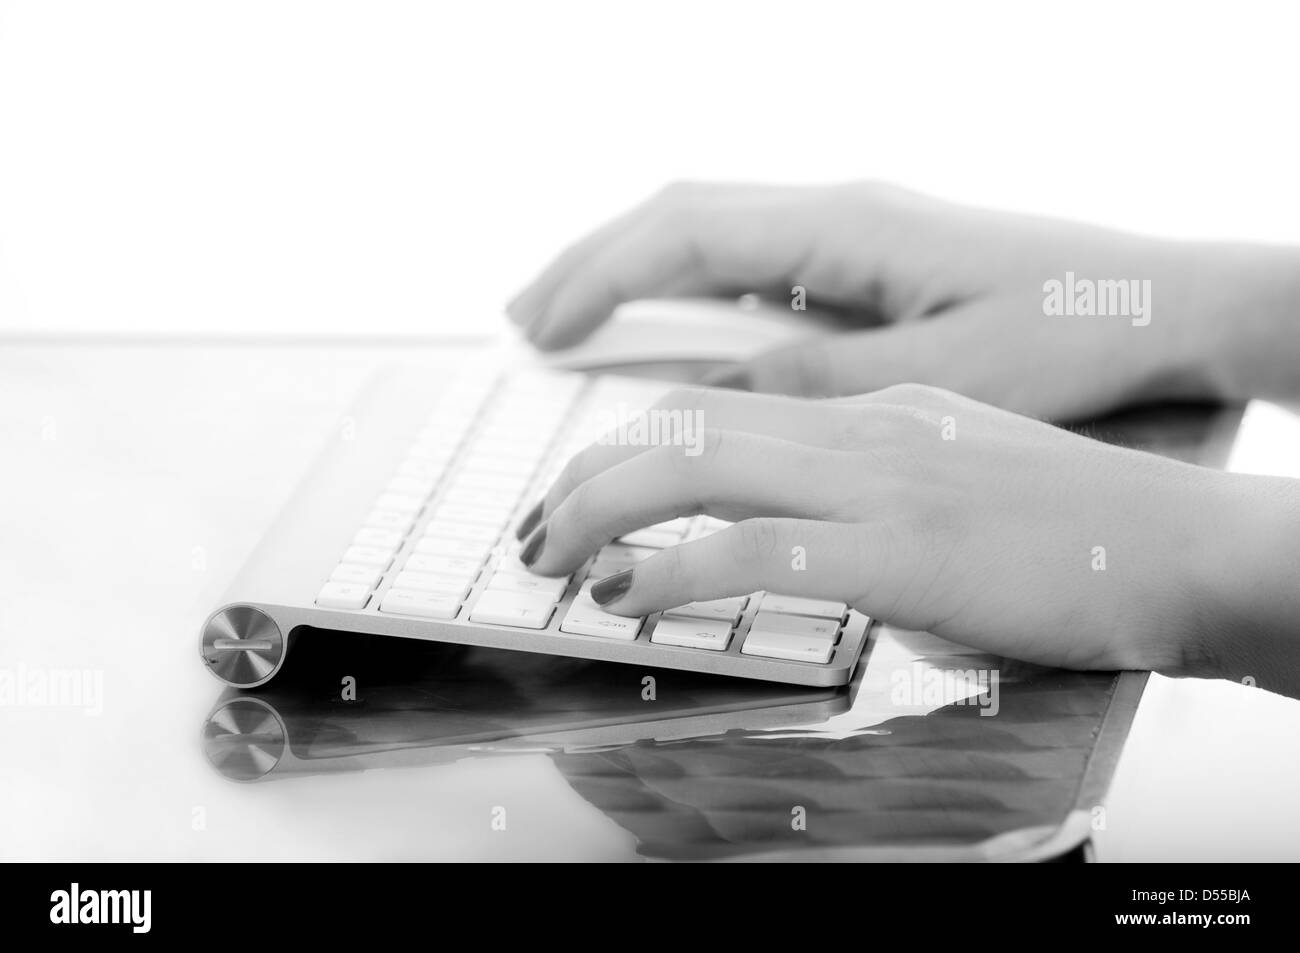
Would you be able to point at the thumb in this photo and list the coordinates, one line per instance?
(981, 350)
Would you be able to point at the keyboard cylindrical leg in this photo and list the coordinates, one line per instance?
(243, 646)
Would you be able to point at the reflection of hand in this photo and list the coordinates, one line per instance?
(952, 777)
(976, 277)
(935, 512)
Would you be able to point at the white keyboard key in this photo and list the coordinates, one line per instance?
(511, 562)
(380, 538)
(375, 556)
(448, 423)
(343, 595)
(453, 566)
(459, 404)
(795, 624)
(557, 384)
(465, 398)
(510, 582)
(388, 519)
(507, 450)
(680, 525)
(437, 452)
(653, 538)
(515, 423)
(458, 548)
(399, 503)
(721, 610)
(425, 462)
(446, 429)
(602, 625)
(450, 529)
(452, 513)
(788, 646)
(513, 608)
(502, 466)
(421, 469)
(706, 526)
(586, 618)
(511, 486)
(367, 576)
(513, 403)
(440, 440)
(798, 605)
(428, 605)
(692, 633)
(514, 430)
(410, 486)
(490, 500)
(445, 426)
(428, 582)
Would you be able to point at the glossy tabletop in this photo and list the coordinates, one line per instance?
(138, 478)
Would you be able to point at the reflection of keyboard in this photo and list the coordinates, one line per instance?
(405, 527)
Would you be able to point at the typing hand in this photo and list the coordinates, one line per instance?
(948, 296)
(932, 511)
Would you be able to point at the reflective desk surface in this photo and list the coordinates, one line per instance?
(138, 478)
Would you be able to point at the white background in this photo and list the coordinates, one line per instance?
(401, 167)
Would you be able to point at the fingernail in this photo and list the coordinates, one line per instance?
(611, 588)
(533, 548)
(736, 378)
(529, 522)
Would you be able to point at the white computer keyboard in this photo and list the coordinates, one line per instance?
(432, 552)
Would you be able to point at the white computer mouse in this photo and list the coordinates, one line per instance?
(688, 331)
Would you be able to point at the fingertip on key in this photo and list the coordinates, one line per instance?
(612, 588)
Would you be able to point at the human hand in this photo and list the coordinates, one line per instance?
(950, 296)
(932, 511)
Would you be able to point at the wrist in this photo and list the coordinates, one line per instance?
(1233, 312)
(1243, 586)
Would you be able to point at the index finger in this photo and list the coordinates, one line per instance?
(690, 239)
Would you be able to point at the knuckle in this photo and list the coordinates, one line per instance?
(572, 476)
(871, 193)
(709, 449)
(680, 191)
(915, 395)
(579, 501)
(671, 570)
(682, 397)
(759, 540)
(851, 429)
(713, 444)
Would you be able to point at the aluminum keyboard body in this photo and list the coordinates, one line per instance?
(285, 588)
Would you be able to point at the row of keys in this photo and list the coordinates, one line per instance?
(791, 628)
(484, 485)
(470, 516)
(772, 633)
(490, 475)
(784, 627)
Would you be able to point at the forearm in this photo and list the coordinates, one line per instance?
(1246, 589)
(1240, 305)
